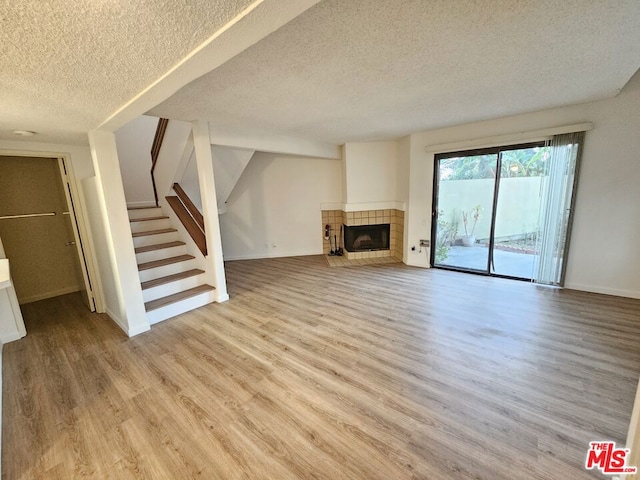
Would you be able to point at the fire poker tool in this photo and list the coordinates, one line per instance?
(332, 253)
(339, 250)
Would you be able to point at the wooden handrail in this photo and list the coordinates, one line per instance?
(194, 230)
(191, 208)
(155, 151)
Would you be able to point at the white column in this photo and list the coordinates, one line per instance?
(417, 215)
(214, 261)
(126, 307)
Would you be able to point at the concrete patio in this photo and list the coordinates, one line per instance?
(512, 264)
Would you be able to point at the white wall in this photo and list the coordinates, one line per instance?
(402, 174)
(98, 228)
(604, 255)
(173, 159)
(79, 155)
(127, 309)
(370, 172)
(134, 142)
(402, 183)
(228, 165)
(277, 202)
(190, 183)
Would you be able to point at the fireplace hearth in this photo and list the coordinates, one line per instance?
(366, 238)
(358, 218)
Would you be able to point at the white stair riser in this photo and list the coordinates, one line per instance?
(153, 273)
(145, 212)
(160, 254)
(145, 240)
(173, 287)
(150, 225)
(182, 306)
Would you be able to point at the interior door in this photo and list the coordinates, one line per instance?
(74, 234)
(35, 230)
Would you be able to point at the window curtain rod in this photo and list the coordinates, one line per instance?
(510, 138)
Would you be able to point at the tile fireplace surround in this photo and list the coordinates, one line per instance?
(395, 218)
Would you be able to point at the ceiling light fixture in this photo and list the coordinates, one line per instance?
(24, 133)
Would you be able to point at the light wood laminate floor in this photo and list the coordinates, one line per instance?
(311, 372)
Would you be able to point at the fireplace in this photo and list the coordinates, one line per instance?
(365, 238)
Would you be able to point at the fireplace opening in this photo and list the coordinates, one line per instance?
(364, 238)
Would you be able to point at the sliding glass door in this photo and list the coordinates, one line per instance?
(517, 213)
(465, 186)
(505, 211)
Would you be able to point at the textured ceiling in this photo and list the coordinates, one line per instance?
(371, 69)
(67, 65)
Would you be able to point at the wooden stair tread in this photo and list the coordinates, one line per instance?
(140, 208)
(154, 232)
(159, 246)
(164, 261)
(146, 219)
(171, 278)
(176, 297)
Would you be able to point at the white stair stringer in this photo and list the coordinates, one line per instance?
(171, 277)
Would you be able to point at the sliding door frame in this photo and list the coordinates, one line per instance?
(496, 189)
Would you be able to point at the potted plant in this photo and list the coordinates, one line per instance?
(469, 239)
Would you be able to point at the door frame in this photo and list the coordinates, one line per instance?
(75, 203)
(497, 150)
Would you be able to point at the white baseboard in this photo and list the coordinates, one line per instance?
(604, 290)
(130, 332)
(257, 256)
(116, 319)
(222, 298)
(11, 338)
(55, 293)
(138, 330)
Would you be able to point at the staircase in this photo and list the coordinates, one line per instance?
(171, 281)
